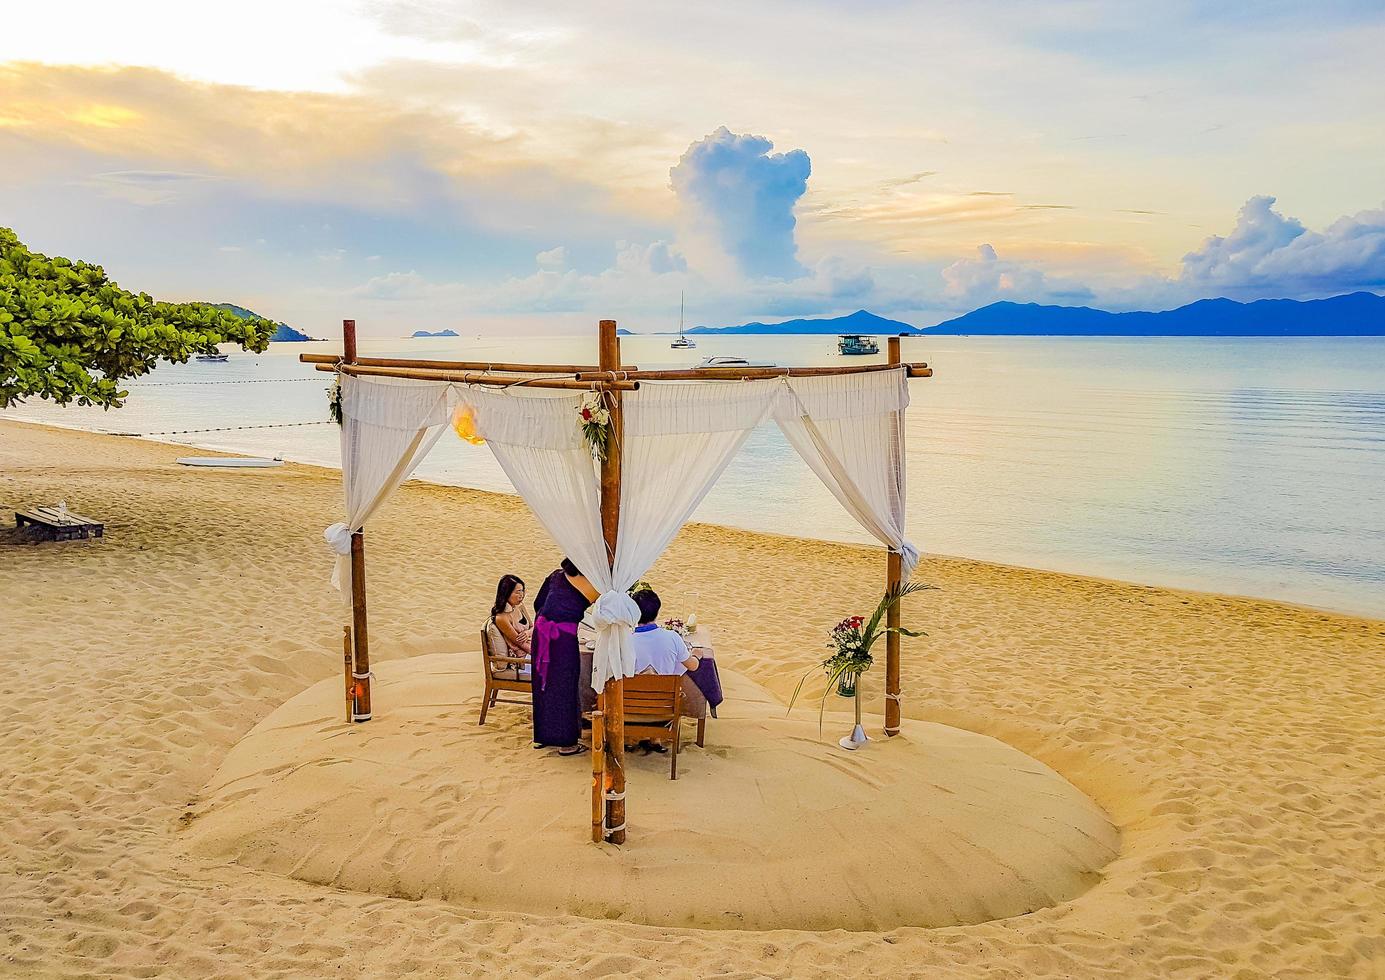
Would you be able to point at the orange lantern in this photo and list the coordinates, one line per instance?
(464, 423)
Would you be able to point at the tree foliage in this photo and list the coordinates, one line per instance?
(68, 333)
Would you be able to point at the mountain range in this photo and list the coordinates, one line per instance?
(861, 321)
(1359, 314)
(1350, 315)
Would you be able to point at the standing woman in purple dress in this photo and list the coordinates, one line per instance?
(562, 601)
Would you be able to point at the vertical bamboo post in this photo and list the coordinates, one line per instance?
(613, 706)
(598, 774)
(360, 674)
(894, 568)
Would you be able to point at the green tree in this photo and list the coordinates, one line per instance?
(68, 333)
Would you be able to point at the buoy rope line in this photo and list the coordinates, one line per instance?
(225, 428)
(234, 381)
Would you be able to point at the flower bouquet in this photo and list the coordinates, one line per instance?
(677, 625)
(595, 420)
(851, 641)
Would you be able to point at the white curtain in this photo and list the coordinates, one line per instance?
(678, 440)
(849, 429)
(388, 426)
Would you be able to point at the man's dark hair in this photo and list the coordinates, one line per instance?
(570, 568)
(648, 601)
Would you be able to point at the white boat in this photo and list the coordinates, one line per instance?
(855, 343)
(682, 343)
(217, 358)
(724, 361)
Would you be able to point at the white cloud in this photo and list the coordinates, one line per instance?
(552, 259)
(736, 200)
(1268, 254)
(986, 278)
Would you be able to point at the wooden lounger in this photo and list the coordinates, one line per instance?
(58, 525)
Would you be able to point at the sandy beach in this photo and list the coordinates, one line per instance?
(168, 688)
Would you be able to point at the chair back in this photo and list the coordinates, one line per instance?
(653, 695)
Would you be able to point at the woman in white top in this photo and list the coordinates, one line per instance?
(509, 616)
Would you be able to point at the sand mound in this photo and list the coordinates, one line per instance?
(768, 827)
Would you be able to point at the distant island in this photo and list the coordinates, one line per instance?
(1351, 315)
(284, 334)
(859, 322)
(440, 333)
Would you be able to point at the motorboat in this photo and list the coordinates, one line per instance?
(214, 358)
(727, 361)
(855, 343)
(682, 343)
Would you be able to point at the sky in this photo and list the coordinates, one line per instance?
(487, 166)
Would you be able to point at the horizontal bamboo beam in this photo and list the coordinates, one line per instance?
(482, 366)
(921, 370)
(465, 377)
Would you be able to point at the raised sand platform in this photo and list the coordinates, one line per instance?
(771, 826)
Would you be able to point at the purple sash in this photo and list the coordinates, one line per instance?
(545, 632)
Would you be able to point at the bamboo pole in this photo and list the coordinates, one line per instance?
(614, 695)
(360, 671)
(464, 377)
(598, 774)
(920, 370)
(504, 366)
(894, 569)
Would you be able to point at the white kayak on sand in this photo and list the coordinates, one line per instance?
(236, 462)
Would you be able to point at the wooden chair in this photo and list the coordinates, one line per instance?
(654, 711)
(494, 664)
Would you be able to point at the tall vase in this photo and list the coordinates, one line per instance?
(858, 736)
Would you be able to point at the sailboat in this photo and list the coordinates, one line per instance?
(682, 343)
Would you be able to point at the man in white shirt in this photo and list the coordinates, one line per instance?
(658, 650)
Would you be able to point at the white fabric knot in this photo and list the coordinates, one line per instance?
(909, 560)
(338, 536)
(615, 616)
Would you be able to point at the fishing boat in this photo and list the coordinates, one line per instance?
(215, 358)
(855, 343)
(727, 361)
(682, 343)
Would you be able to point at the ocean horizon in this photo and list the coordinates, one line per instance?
(1242, 466)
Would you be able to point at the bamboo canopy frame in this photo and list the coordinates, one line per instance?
(611, 379)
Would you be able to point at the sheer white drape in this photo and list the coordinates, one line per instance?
(678, 440)
(388, 426)
(849, 429)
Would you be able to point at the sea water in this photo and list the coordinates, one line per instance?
(1246, 466)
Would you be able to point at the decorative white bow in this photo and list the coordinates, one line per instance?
(615, 616)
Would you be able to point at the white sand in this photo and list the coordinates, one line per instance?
(1236, 744)
(770, 826)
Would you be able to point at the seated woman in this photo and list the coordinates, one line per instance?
(510, 625)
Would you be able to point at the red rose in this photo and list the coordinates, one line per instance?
(586, 415)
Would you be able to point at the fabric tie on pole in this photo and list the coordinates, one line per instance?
(338, 538)
(909, 560)
(615, 616)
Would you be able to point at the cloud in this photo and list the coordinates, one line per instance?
(552, 259)
(986, 278)
(737, 203)
(1268, 254)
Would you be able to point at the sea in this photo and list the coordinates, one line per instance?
(1244, 466)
